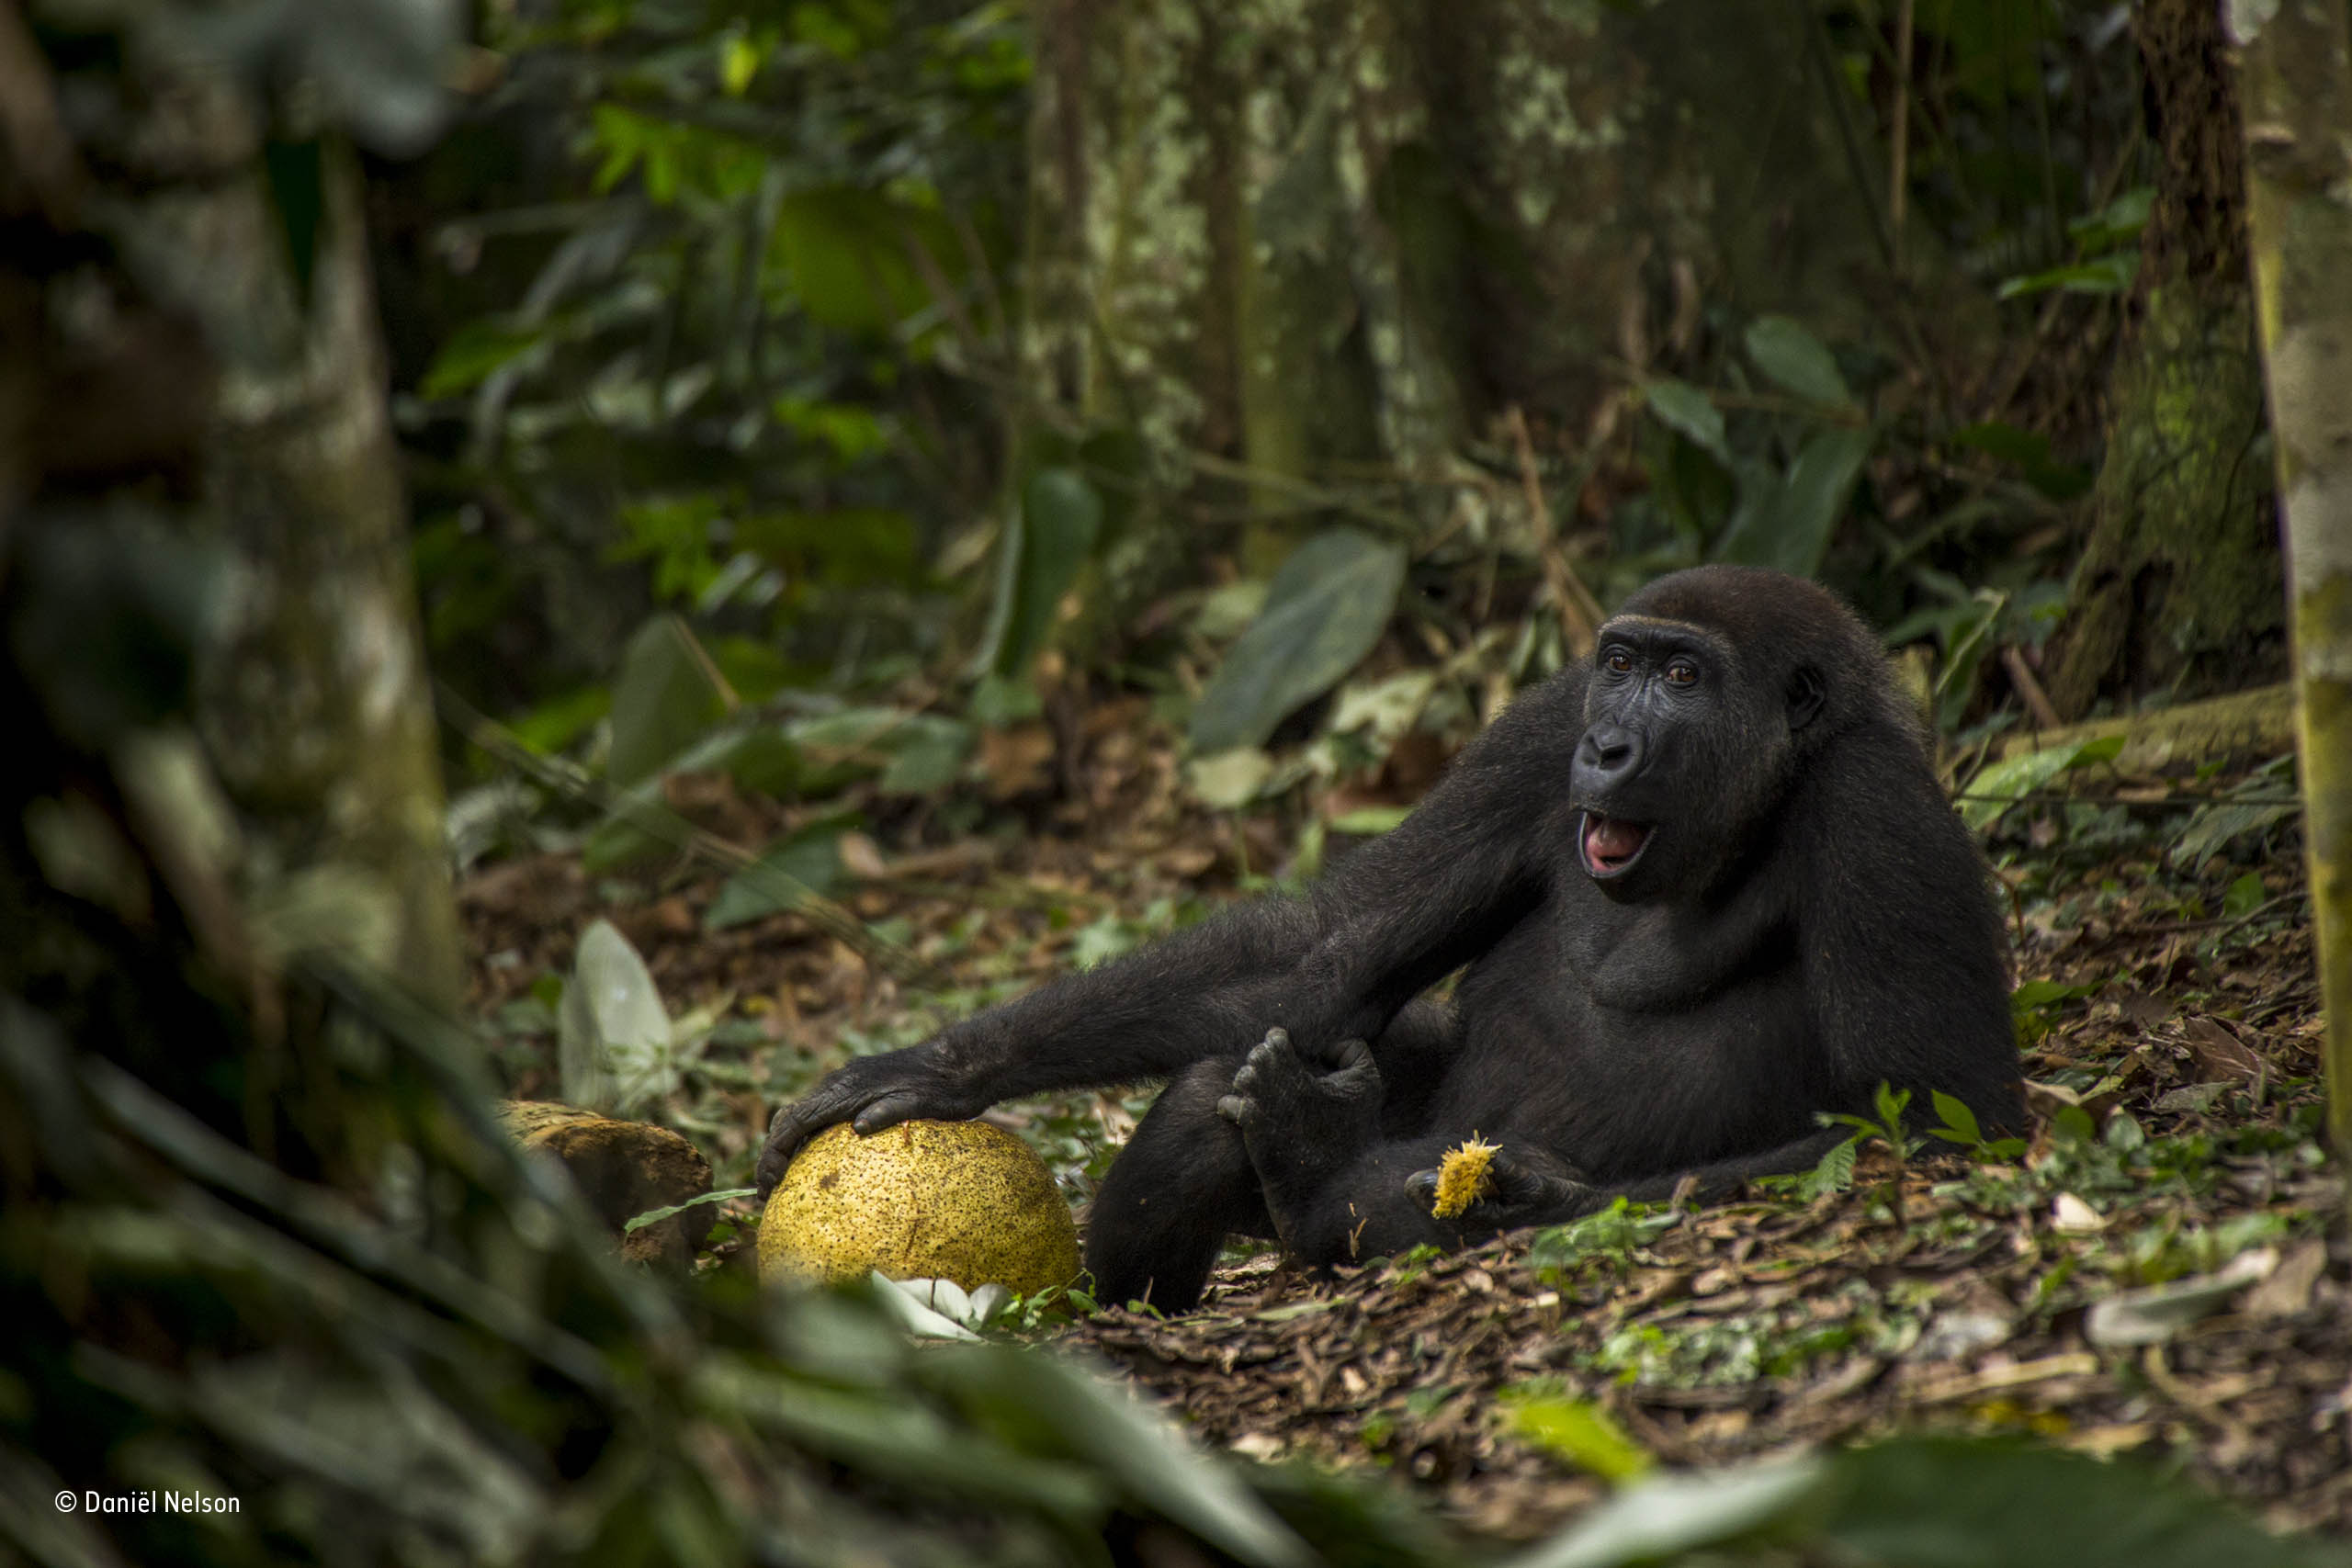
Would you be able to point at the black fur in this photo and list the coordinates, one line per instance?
(1803, 917)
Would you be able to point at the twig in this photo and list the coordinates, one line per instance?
(2036, 701)
(1580, 615)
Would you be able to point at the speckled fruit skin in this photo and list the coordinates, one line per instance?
(958, 1200)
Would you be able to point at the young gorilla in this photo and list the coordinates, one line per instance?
(1705, 885)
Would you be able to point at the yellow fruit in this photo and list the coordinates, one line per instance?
(1463, 1176)
(958, 1200)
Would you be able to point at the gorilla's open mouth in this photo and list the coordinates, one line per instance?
(1612, 845)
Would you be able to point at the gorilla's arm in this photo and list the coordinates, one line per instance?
(1904, 955)
(1383, 1206)
(1385, 924)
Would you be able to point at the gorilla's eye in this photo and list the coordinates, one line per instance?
(1682, 672)
(1618, 662)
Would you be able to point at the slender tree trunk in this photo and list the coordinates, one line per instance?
(2179, 580)
(2297, 73)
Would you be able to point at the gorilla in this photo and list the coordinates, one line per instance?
(1699, 887)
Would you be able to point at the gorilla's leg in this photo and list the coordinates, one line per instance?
(1184, 1181)
(1180, 1187)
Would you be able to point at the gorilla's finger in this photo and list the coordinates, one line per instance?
(1421, 1188)
(907, 1105)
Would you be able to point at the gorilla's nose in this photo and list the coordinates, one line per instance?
(1607, 754)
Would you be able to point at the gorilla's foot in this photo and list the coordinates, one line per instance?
(1305, 1117)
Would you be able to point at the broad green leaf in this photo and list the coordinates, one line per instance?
(1959, 1124)
(2118, 222)
(1793, 530)
(1797, 360)
(1005, 1389)
(1664, 1516)
(1325, 610)
(1226, 781)
(2110, 274)
(1957, 1502)
(2245, 895)
(2210, 830)
(472, 352)
(1060, 519)
(1369, 819)
(844, 251)
(613, 1033)
(793, 868)
(2037, 995)
(2030, 454)
(1581, 1433)
(1991, 793)
(622, 839)
(1684, 408)
(662, 700)
(929, 754)
(557, 722)
(838, 747)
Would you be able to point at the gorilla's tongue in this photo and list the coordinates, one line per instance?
(1610, 842)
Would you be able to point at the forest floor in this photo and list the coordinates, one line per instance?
(2160, 1275)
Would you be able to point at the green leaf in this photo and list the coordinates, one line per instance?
(472, 352)
(1685, 409)
(1325, 610)
(2119, 222)
(557, 722)
(1663, 1517)
(1369, 819)
(612, 1031)
(801, 863)
(844, 253)
(662, 700)
(1060, 518)
(1580, 1432)
(929, 754)
(1960, 1122)
(1793, 530)
(2245, 895)
(2210, 830)
(655, 1216)
(1797, 360)
(2030, 453)
(1229, 780)
(1943, 1502)
(2110, 273)
(1002, 1388)
(1991, 793)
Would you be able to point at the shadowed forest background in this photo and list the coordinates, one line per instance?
(630, 551)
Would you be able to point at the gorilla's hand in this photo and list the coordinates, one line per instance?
(1520, 1192)
(870, 1093)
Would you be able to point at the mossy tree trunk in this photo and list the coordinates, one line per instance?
(244, 259)
(1330, 241)
(2298, 67)
(2179, 580)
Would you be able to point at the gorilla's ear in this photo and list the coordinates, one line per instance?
(1807, 692)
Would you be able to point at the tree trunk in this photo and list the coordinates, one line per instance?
(1329, 243)
(249, 261)
(2179, 582)
(2298, 163)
